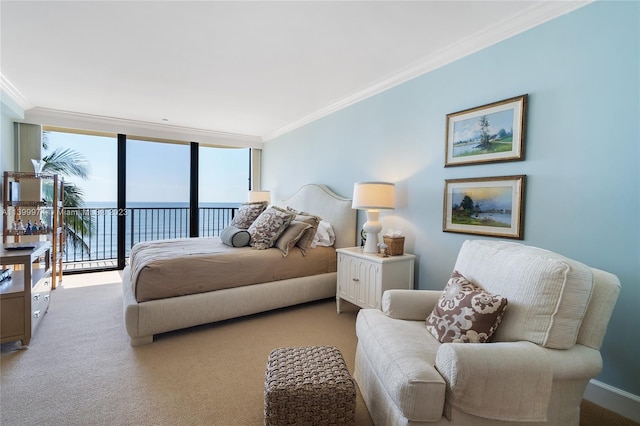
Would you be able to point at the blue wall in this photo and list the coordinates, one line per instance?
(581, 72)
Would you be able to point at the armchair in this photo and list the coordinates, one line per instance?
(533, 370)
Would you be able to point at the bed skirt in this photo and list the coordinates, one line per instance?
(145, 319)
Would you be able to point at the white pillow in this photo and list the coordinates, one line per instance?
(325, 236)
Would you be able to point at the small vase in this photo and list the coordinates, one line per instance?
(38, 165)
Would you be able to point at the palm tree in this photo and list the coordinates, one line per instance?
(67, 162)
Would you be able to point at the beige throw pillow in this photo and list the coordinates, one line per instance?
(307, 238)
(291, 235)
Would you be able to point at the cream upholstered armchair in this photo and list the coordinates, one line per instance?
(533, 370)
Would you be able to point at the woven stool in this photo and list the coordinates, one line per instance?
(308, 386)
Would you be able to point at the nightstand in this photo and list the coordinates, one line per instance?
(363, 277)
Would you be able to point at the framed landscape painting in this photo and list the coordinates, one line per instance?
(491, 206)
(487, 134)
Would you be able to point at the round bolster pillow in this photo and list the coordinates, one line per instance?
(235, 237)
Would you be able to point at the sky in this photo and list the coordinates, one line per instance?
(470, 128)
(156, 172)
(496, 197)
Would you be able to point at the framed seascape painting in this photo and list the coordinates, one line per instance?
(487, 134)
(491, 206)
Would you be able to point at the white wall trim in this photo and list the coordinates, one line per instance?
(533, 16)
(13, 93)
(538, 13)
(73, 120)
(624, 403)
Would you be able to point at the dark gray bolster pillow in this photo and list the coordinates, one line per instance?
(235, 237)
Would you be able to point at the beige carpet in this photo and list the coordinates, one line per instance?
(81, 370)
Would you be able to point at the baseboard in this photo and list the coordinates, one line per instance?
(624, 403)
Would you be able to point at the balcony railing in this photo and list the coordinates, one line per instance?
(96, 229)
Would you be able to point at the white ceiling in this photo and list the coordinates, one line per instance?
(256, 69)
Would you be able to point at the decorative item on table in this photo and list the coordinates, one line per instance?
(383, 250)
(373, 197)
(5, 274)
(14, 192)
(258, 195)
(38, 165)
(395, 243)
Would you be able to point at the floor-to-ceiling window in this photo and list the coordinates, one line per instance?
(223, 184)
(88, 165)
(157, 181)
(157, 190)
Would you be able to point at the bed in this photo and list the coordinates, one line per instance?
(146, 316)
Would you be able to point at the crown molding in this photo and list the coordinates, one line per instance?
(539, 13)
(142, 129)
(531, 17)
(13, 93)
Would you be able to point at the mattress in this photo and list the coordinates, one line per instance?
(178, 267)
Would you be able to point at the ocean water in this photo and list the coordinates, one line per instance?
(144, 222)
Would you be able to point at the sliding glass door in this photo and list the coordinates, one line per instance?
(157, 188)
(223, 182)
(88, 165)
(156, 180)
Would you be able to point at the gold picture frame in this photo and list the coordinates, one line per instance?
(489, 206)
(487, 134)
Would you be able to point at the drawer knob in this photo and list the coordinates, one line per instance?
(47, 297)
(356, 279)
(36, 296)
(36, 314)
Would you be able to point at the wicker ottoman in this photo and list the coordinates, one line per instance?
(308, 386)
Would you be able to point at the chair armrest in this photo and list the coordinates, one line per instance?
(492, 380)
(508, 381)
(409, 304)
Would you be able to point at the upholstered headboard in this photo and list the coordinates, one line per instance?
(331, 207)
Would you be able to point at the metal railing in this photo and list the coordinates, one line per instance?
(92, 233)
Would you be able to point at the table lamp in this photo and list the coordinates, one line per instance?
(373, 197)
(255, 196)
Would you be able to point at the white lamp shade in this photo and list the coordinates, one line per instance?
(374, 196)
(255, 196)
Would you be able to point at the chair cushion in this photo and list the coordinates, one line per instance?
(548, 293)
(465, 312)
(402, 355)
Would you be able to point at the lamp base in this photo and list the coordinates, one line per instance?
(372, 227)
(371, 245)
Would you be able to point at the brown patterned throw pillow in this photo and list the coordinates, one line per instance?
(268, 227)
(465, 312)
(247, 213)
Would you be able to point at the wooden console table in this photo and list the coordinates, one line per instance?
(24, 298)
